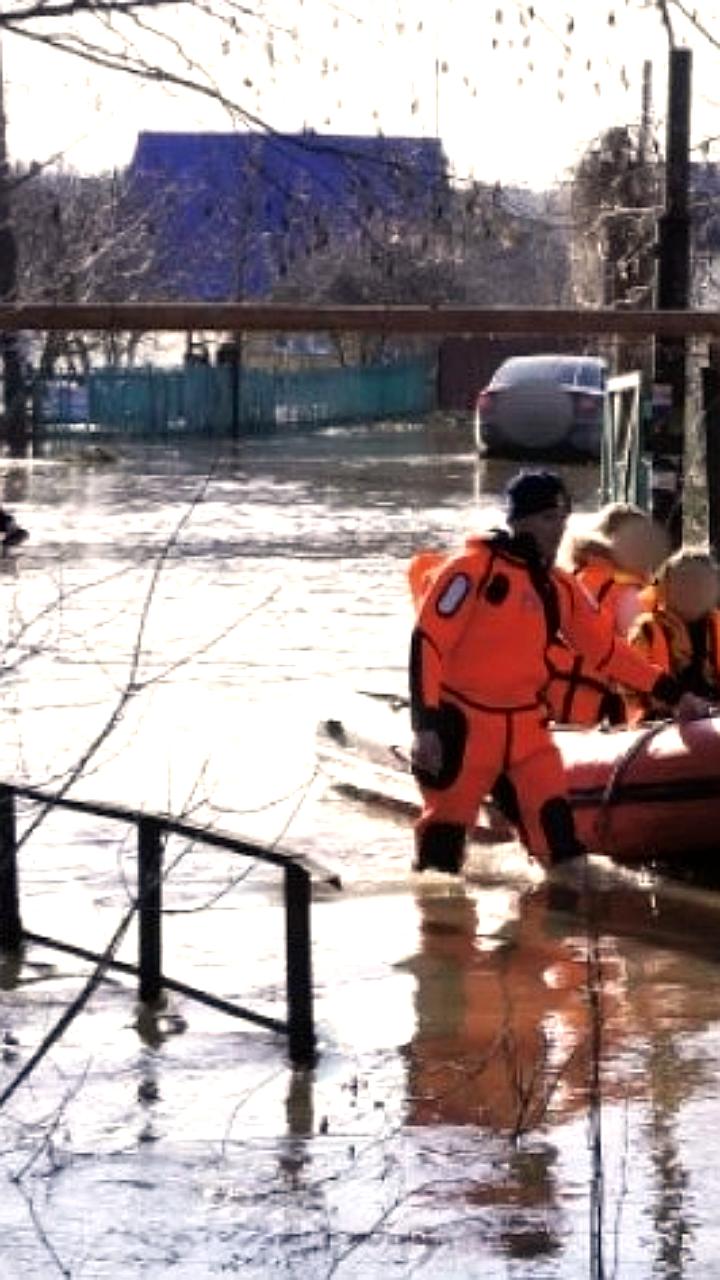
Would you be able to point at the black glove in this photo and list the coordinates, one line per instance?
(666, 689)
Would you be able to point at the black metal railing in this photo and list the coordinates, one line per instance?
(151, 832)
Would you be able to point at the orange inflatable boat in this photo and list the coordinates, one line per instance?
(644, 794)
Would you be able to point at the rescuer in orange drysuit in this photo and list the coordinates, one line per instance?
(478, 669)
(680, 630)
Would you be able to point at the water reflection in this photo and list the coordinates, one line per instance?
(501, 1020)
(300, 1104)
(17, 485)
(505, 1042)
(672, 1080)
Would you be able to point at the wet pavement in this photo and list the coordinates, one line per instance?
(514, 1079)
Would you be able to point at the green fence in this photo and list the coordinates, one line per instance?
(203, 399)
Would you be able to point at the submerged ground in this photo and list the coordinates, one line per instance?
(512, 1081)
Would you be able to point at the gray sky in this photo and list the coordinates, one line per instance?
(514, 98)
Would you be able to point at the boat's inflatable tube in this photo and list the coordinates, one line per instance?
(646, 793)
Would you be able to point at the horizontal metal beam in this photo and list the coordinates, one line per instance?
(245, 317)
(182, 988)
(313, 868)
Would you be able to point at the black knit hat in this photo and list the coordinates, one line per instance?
(532, 491)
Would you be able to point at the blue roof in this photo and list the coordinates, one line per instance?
(229, 211)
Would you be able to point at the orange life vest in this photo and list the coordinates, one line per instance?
(608, 584)
(576, 694)
(600, 576)
(666, 640)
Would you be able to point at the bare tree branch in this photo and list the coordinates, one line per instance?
(79, 48)
(693, 18)
(71, 8)
(667, 22)
(42, 1234)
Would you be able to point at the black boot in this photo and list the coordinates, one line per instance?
(558, 824)
(440, 847)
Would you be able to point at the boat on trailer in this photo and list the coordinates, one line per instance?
(650, 793)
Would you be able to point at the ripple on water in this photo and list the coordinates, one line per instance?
(444, 1130)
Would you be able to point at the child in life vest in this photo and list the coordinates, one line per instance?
(614, 559)
(680, 629)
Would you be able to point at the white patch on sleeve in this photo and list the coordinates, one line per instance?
(453, 595)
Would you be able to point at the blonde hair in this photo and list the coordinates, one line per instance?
(595, 540)
(686, 555)
(656, 593)
(614, 515)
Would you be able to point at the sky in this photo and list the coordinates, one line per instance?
(515, 91)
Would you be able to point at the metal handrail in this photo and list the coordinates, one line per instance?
(151, 828)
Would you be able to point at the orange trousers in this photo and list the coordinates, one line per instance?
(517, 747)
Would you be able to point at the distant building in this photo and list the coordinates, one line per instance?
(229, 213)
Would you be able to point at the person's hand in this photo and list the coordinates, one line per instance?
(691, 707)
(426, 752)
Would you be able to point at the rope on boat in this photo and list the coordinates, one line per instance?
(611, 792)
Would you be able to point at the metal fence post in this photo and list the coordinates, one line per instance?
(11, 931)
(150, 908)
(301, 1030)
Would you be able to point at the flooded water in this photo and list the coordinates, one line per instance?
(513, 1081)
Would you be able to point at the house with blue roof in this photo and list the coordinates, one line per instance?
(228, 213)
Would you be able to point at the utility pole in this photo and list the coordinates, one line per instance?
(674, 272)
(15, 424)
(673, 293)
